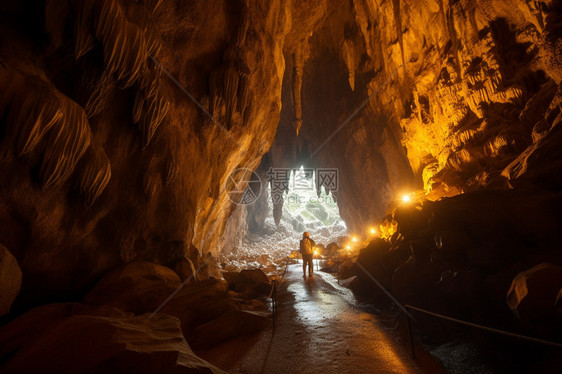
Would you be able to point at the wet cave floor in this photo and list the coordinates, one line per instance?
(320, 328)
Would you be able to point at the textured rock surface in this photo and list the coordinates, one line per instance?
(10, 280)
(139, 287)
(113, 158)
(250, 283)
(532, 296)
(113, 162)
(71, 338)
(459, 91)
(229, 325)
(110, 161)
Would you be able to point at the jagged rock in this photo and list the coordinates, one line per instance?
(234, 323)
(72, 338)
(139, 287)
(249, 283)
(533, 295)
(10, 280)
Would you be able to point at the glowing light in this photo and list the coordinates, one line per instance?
(354, 238)
(315, 252)
(373, 231)
(348, 247)
(406, 198)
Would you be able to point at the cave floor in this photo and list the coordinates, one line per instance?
(319, 329)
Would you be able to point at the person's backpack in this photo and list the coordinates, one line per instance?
(306, 246)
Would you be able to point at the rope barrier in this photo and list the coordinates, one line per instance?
(512, 334)
(471, 324)
(394, 300)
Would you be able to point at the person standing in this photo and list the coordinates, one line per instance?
(307, 251)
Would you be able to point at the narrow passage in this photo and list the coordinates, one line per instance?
(318, 330)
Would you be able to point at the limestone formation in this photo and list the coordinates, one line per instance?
(139, 287)
(123, 122)
(53, 338)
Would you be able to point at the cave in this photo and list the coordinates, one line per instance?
(163, 162)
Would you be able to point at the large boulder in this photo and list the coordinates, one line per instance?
(138, 287)
(533, 296)
(199, 302)
(73, 338)
(229, 325)
(10, 280)
(251, 283)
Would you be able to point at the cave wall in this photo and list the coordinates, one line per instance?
(107, 158)
(110, 153)
(461, 94)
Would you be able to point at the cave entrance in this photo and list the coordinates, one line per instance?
(304, 209)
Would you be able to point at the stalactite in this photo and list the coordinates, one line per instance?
(152, 5)
(171, 170)
(83, 35)
(124, 44)
(243, 95)
(67, 142)
(32, 115)
(153, 41)
(298, 63)
(35, 111)
(349, 59)
(150, 184)
(231, 79)
(248, 113)
(243, 27)
(94, 173)
(215, 92)
(99, 95)
(150, 107)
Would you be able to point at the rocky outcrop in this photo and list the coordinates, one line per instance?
(10, 280)
(139, 287)
(252, 283)
(532, 296)
(122, 121)
(229, 325)
(71, 338)
(111, 152)
(451, 96)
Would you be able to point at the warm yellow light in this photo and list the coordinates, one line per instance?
(406, 198)
(348, 247)
(315, 252)
(373, 231)
(354, 238)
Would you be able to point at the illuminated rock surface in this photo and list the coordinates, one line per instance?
(121, 123)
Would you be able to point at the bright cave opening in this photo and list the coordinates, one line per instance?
(305, 208)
